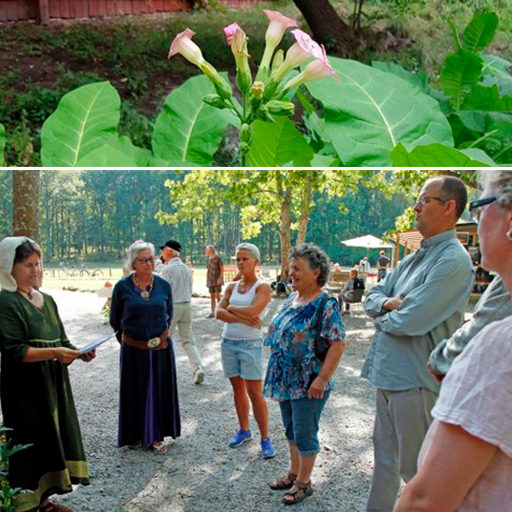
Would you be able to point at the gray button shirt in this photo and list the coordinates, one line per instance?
(434, 283)
(495, 304)
(179, 276)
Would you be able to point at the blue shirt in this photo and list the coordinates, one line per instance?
(291, 335)
(434, 283)
(141, 319)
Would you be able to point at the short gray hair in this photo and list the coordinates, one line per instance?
(316, 258)
(501, 182)
(245, 246)
(134, 249)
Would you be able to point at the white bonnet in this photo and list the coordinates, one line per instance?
(8, 248)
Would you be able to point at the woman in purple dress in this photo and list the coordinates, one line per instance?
(141, 314)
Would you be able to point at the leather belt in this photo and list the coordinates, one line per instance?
(158, 343)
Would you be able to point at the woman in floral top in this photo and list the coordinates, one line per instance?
(295, 376)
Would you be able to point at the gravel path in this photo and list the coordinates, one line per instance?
(200, 472)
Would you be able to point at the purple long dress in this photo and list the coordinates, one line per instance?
(148, 407)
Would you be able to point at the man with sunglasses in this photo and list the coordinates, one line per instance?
(493, 305)
(418, 304)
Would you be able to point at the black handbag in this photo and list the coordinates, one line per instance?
(321, 345)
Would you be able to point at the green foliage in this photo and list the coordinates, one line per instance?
(371, 111)
(480, 32)
(430, 155)
(83, 121)
(278, 144)
(461, 72)
(496, 72)
(188, 131)
(7, 493)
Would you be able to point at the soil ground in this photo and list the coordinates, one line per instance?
(200, 472)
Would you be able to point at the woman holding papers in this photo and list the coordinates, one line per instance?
(141, 312)
(37, 402)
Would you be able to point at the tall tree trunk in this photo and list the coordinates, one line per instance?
(328, 28)
(304, 207)
(25, 203)
(285, 193)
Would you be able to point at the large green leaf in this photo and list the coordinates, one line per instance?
(488, 99)
(496, 71)
(188, 130)
(418, 79)
(2, 143)
(438, 155)
(107, 155)
(84, 120)
(460, 73)
(480, 32)
(277, 144)
(370, 111)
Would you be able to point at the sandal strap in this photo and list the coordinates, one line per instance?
(302, 485)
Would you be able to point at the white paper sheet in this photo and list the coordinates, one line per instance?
(95, 344)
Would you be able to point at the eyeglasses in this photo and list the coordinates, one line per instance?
(144, 261)
(475, 207)
(423, 200)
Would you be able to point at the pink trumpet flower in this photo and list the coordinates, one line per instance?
(183, 44)
(301, 50)
(313, 71)
(274, 35)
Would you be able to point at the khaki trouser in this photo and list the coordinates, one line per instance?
(182, 317)
(401, 423)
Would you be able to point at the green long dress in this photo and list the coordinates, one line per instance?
(37, 403)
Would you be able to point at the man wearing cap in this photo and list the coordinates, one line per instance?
(179, 276)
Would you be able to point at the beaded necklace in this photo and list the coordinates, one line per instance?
(145, 294)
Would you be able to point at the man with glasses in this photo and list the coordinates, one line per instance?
(420, 303)
(179, 276)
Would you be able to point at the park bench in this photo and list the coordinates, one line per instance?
(337, 281)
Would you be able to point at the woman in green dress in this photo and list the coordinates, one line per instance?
(35, 393)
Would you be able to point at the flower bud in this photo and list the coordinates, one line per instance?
(245, 133)
(264, 115)
(257, 89)
(223, 89)
(214, 100)
(281, 108)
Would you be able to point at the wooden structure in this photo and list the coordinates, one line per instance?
(46, 10)
(467, 233)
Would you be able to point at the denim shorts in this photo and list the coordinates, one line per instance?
(301, 419)
(242, 358)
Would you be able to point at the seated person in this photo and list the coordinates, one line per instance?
(352, 291)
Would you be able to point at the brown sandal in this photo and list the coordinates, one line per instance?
(54, 507)
(286, 482)
(298, 492)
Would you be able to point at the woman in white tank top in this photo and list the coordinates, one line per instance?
(242, 345)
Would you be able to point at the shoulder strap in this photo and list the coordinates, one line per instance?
(320, 314)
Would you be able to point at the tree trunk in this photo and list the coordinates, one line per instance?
(304, 208)
(25, 204)
(285, 193)
(328, 28)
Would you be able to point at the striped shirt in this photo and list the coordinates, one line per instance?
(179, 276)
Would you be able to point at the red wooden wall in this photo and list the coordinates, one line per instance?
(15, 10)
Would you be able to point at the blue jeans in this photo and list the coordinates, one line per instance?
(242, 358)
(301, 419)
